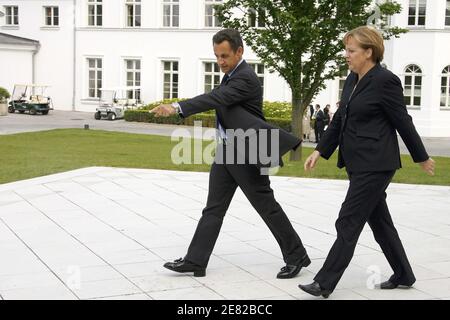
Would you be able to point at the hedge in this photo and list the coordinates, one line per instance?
(281, 110)
(208, 120)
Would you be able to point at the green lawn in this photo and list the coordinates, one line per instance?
(29, 155)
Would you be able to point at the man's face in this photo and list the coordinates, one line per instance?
(227, 59)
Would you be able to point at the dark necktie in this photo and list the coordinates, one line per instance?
(224, 79)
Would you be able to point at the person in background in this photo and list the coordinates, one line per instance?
(311, 111)
(319, 123)
(333, 111)
(326, 113)
(306, 125)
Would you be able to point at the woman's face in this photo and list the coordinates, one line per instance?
(357, 57)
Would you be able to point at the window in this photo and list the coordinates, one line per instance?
(133, 9)
(95, 77)
(170, 79)
(259, 70)
(171, 13)
(445, 88)
(413, 86)
(133, 76)
(447, 14)
(417, 12)
(256, 18)
(12, 15)
(212, 76)
(95, 13)
(51, 16)
(210, 13)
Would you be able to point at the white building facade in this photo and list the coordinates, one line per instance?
(165, 47)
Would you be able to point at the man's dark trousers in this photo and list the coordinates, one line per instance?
(223, 181)
(318, 130)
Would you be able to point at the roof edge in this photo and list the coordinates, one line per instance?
(32, 41)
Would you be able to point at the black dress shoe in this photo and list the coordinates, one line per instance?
(388, 285)
(291, 270)
(315, 289)
(183, 266)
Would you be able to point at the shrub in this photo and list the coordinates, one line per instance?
(4, 94)
(276, 113)
(208, 120)
(281, 110)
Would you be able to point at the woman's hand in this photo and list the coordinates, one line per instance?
(428, 166)
(311, 161)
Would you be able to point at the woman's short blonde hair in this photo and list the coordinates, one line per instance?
(368, 38)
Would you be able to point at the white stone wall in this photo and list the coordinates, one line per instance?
(18, 72)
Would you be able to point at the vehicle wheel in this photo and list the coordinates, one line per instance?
(45, 112)
(21, 111)
(33, 112)
(97, 116)
(111, 116)
(11, 109)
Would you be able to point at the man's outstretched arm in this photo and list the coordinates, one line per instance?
(238, 89)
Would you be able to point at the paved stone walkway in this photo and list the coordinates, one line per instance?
(104, 233)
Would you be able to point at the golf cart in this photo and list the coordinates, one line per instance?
(30, 98)
(114, 102)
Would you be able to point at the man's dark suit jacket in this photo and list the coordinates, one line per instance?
(320, 119)
(238, 104)
(365, 125)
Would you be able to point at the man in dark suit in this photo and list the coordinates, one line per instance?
(319, 124)
(364, 127)
(238, 105)
(311, 110)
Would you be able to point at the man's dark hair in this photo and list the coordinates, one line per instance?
(231, 35)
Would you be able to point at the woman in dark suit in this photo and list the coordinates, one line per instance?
(326, 114)
(364, 128)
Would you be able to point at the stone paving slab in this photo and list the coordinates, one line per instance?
(104, 233)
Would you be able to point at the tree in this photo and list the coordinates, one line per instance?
(302, 39)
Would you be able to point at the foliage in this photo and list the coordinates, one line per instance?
(4, 94)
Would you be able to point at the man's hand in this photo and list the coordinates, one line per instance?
(311, 161)
(428, 166)
(163, 110)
